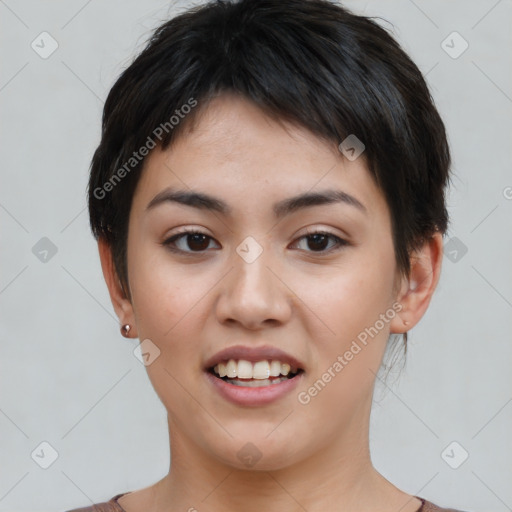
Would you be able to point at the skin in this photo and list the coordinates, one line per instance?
(309, 303)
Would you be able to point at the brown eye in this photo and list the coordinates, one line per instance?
(197, 241)
(319, 241)
(188, 242)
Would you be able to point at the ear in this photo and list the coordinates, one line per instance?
(122, 305)
(417, 290)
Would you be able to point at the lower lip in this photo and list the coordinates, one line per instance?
(253, 396)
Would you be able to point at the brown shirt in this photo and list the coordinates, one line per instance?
(113, 506)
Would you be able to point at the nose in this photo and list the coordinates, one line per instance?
(254, 294)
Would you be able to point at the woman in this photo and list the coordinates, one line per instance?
(269, 202)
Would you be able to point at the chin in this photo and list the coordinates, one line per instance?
(256, 453)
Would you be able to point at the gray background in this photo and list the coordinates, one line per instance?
(67, 376)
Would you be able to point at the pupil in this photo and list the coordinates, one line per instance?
(195, 237)
(318, 241)
(316, 238)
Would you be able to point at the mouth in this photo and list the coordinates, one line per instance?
(254, 374)
(251, 376)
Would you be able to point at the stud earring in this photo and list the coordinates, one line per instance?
(125, 330)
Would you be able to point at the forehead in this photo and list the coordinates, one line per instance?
(235, 151)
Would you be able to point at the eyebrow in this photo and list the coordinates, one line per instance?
(281, 209)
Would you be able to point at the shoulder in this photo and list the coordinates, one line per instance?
(106, 506)
(113, 506)
(428, 506)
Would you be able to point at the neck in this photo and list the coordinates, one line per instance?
(338, 477)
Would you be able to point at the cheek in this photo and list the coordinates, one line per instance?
(349, 303)
(349, 296)
(161, 291)
(166, 304)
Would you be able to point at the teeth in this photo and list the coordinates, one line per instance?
(275, 368)
(231, 369)
(260, 371)
(221, 370)
(256, 383)
(244, 369)
(285, 368)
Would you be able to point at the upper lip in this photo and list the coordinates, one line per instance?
(253, 354)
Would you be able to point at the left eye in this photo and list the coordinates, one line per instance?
(199, 242)
(317, 239)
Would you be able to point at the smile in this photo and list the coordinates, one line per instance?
(254, 374)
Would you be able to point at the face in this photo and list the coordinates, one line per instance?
(305, 283)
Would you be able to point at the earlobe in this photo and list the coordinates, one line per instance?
(417, 290)
(122, 305)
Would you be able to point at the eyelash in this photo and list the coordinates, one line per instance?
(169, 243)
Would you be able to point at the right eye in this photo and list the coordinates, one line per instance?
(195, 240)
